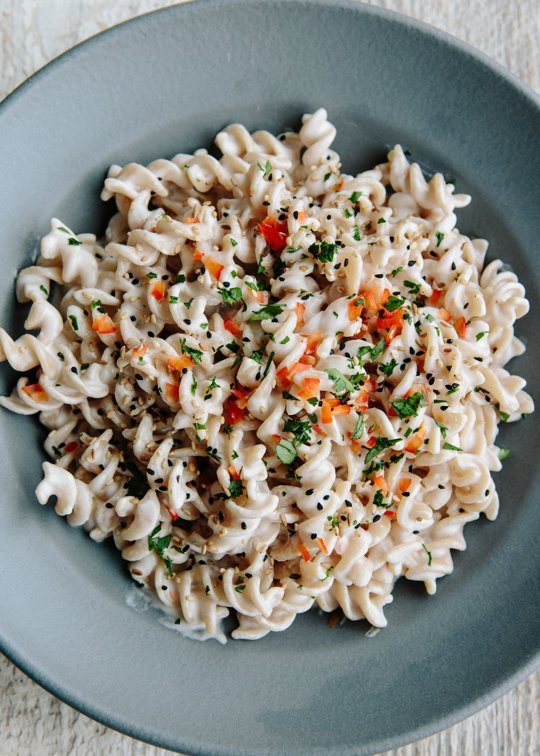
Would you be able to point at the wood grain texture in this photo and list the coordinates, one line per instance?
(32, 32)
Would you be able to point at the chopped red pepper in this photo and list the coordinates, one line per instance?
(461, 327)
(242, 394)
(435, 296)
(172, 391)
(214, 267)
(233, 413)
(158, 290)
(36, 392)
(274, 232)
(103, 324)
(232, 327)
(322, 545)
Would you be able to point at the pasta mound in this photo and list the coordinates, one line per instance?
(273, 384)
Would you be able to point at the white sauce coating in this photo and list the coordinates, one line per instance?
(275, 384)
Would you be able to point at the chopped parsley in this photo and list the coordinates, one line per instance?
(268, 363)
(394, 303)
(355, 196)
(234, 243)
(266, 169)
(74, 242)
(380, 445)
(301, 430)
(255, 285)
(450, 447)
(481, 335)
(442, 428)
(44, 290)
(378, 499)
(504, 451)
(286, 451)
(504, 416)
(359, 428)
(159, 545)
(288, 395)
(324, 251)
(388, 367)
(195, 354)
(414, 287)
(341, 384)
(231, 296)
(356, 234)
(452, 388)
(408, 407)
(173, 300)
(269, 311)
(440, 237)
(396, 271)
(428, 554)
(74, 322)
(236, 487)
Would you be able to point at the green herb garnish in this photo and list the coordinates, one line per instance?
(286, 451)
(159, 545)
(341, 384)
(408, 407)
(231, 296)
(324, 251)
(195, 354)
(380, 445)
(270, 311)
(359, 428)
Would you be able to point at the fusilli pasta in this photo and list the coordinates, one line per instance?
(273, 384)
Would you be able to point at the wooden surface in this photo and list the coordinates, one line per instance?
(31, 33)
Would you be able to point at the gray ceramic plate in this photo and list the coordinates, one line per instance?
(167, 82)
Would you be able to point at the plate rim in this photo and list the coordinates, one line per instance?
(413, 733)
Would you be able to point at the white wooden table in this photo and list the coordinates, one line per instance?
(34, 31)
